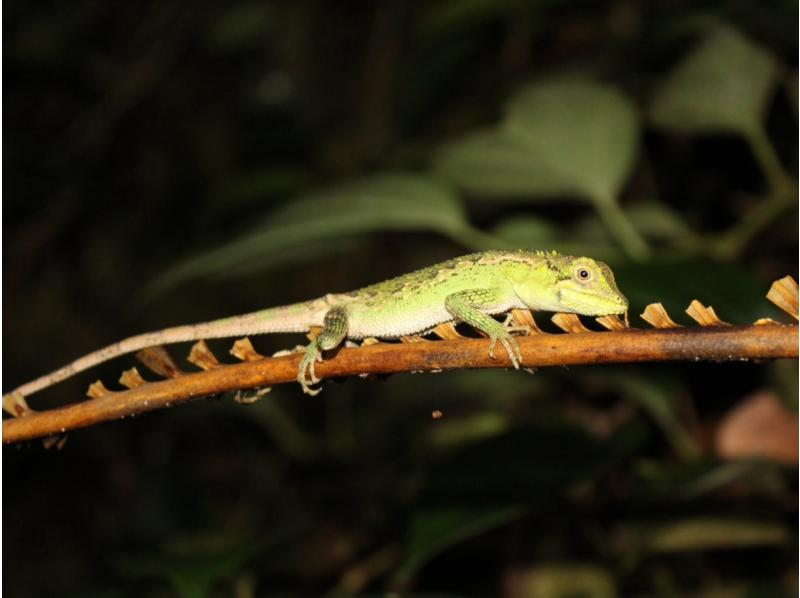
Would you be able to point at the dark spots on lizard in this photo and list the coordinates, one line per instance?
(551, 266)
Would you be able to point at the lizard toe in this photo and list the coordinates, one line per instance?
(512, 349)
(492, 344)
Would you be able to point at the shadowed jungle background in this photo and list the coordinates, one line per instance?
(171, 162)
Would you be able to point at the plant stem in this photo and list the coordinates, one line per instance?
(782, 198)
(735, 239)
(769, 162)
(622, 229)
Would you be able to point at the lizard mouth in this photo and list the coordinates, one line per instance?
(593, 304)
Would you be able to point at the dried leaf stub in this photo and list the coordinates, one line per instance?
(569, 323)
(243, 349)
(132, 379)
(414, 338)
(313, 333)
(447, 332)
(655, 315)
(97, 390)
(760, 426)
(766, 322)
(705, 316)
(612, 323)
(524, 317)
(157, 360)
(783, 293)
(201, 356)
(15, 404)
(58, 441)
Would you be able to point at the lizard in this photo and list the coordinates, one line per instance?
(469, 289)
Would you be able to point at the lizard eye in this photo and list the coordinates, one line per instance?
(583, 274)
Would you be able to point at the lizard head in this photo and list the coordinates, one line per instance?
(578, 285)
(587, 287)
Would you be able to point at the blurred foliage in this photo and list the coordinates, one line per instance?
(169, 162)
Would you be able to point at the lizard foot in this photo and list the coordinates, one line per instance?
(306, 375)
(511, 346)
(247, 397)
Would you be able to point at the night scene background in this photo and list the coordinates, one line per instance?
(172, 162)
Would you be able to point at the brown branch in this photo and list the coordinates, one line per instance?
(716, 343)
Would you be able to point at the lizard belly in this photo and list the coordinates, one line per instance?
(395, 321)
(405, 320)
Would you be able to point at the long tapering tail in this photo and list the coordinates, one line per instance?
(289, 318)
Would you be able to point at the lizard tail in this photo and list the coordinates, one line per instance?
(289, 318)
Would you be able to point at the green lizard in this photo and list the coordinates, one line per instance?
(467, 289)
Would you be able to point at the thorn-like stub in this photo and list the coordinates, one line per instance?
(57, 441)
(655, 315)
(569, 323)
(612, 323)
(766, 322)
(243, 349)
(783, 293)
(159, 361)
(14, 404)
(447, 332)
(201, 356)
(132, 379)
(97, 390)
(705, 316)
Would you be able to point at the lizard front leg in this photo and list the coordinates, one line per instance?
(334, 331)
(466, 306)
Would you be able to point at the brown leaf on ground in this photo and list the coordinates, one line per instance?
(760, 426)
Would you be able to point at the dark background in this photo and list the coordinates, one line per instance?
(171, 162)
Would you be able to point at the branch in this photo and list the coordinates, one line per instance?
(719, 343)
(713, 340)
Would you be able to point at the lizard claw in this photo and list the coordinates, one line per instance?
(511, 346)
(312, 372)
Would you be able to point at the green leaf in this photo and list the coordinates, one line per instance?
(496, 165)
(583, 132)
(723, 85)
(566, 137)
(713, 533)
(434, 531)
(528, 232)
(315, 225)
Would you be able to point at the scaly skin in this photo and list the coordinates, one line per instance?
(467, 289)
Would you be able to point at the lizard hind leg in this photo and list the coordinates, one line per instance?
(466, 306)
(334, 331)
